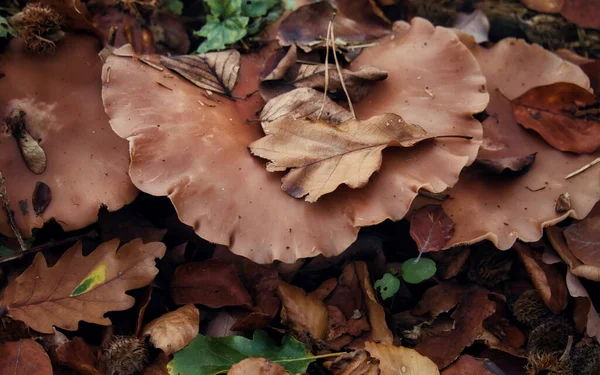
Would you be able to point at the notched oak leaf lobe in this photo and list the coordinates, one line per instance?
(322, 156)
(81, 287)
(215, 71)
(564, 114)
(509, 166)
(431, 228)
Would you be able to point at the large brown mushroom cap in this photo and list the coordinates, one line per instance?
(86, 162)
(198, 155)
(503, 210)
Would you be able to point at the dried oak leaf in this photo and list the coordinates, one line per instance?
(174, 330)
(431, 228)
(545, 277)
(306, 315)
(213, 283)
(220, 189)
(257, 366)
(585, 315)
(81, 287)
(577, 268)
(566, 115)
(24, 357)
(79, 356)
(399, 360)
(87, 163)
(518, 208)
(321, 156)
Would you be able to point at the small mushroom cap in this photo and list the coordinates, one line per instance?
(86, 162)
(503, 210)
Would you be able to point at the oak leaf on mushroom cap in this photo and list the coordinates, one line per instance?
(197, 154)
(502, 209)
(86, 162)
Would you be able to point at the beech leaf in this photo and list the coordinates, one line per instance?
(431, 228)
(400, 360)
(61, 295)
(564, 114)
(322, 156)
(212, 355)
(174, 330)
(216, 71)
(24, 357)
(583, 239)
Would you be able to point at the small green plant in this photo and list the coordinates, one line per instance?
(413, 271)
(232, 20)
(6, 29)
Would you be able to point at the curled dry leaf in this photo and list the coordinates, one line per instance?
(256, 366)
(213, 283)
(397, 359)
(585, 314)
(431, 228)
(62, 292)
(220, 189)
(545, 277)
(321, 156)
(514, 166)
(79, 356)
(24, 357)
(358, 362)
(380, 332)
(216, 71)
(439, 299)
(518, 208)
(306, 315)
(576, 267)
(86, 162)
(174, 330)
(567, 116)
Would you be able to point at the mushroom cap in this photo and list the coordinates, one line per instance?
(86, 162)
(198, 156)
(503, 210)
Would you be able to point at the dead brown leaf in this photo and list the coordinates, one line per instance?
(583, 13)
(545, 277)
(585, 314)
(257, 366)
(79, 356)
(174, 330)
(513, 166)
(468, 365)
(439, 299)
(567, 116)
(213, 283)
(451, 261)
(583, 239)
(24, 357)
(159, 366)
(380, 332)
(321, 156)
(306, 316)
(559, 243)
(431, 228)
(62, 292)
(395, 360)
(358, 362)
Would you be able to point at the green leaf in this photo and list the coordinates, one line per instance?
(174, 6)
(388, 285)
(6, 29)
(417, 270)
(218, 34)
(215, 355)
(225, 9)
(257, 24)
(257, 8)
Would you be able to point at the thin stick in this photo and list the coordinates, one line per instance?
(339, 70)
(9, 213)
(588, 165)
(329, 26)
(48, 245)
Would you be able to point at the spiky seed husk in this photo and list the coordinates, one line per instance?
(585, 357)
(548, 364)
(529, 308)
(39, 26)
(125, 355)
(489, 266)
(550, 336)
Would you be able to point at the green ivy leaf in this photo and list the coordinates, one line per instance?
(6, 29)
(257, 24)
(257, 8)
(417, 270)
(388, 285)
(174, 6)
(225, 9)
(220, 33)
(215, 355)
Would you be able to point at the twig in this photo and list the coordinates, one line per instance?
(10, 214)
(329, 26)
(588, 165)
(339, 70)
(151, 64)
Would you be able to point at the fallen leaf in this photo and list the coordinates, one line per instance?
(546, 278)
(322, 156)
(42, 196)
(417, 270)
(395, 360)
(439, 299)
(215, 71)
(512, 166)
(212, 355)
(79, 356)
(306, 315)
(62, 292)
(468, 365)
(380, 332)
(559, 243)
(583, 239)
(158, 366)
(451, 261)
(258, 366)
(174, 330)
(213, 283)
(585, 314)
(431, 228)
(24, 357)
(358, 362)
(564, 114)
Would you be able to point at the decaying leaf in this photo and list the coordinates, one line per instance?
(399, 360)
(215, 71)
(62, 292)
(79, 356)
(24, 357)
(567, 116)
(321, 156)
(431, 228)
(258, 366)
(174, 330)
(514, 166)
(585, 314)
(41, 198)
(358, 362)
(468, 365)
(380, 332)
(213, 283)
(545, 277)
(583, 239)
(31, 151)
(304, 314)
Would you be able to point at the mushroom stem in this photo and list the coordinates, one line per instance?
(9, 214)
